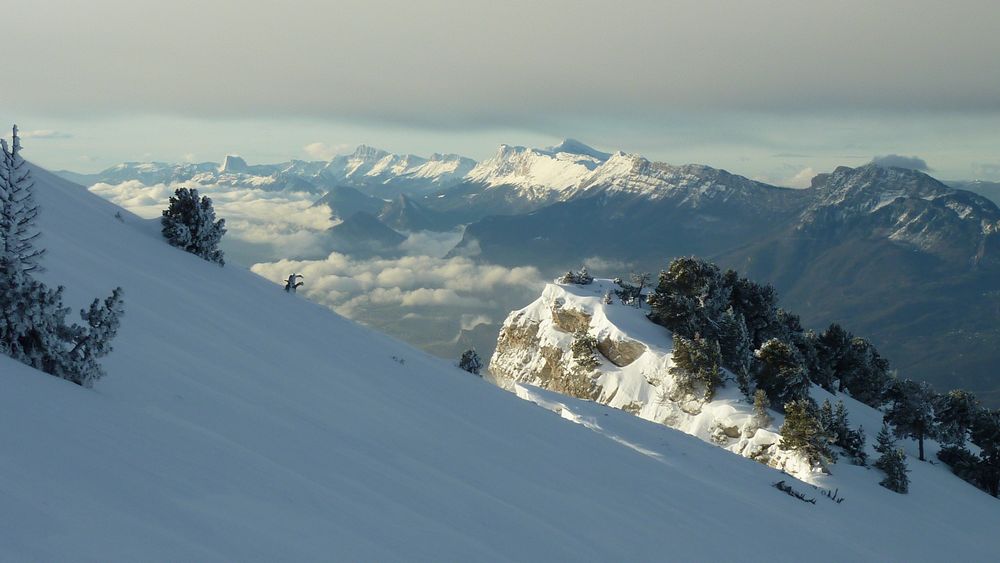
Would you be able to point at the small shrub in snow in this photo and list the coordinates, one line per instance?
(892, 462)
(584, 349)
(189, 223)
(579, 278)
(471, 362)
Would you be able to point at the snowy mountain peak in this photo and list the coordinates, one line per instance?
(572, 146)
(538, 171)
(368, 153)
(234, 163)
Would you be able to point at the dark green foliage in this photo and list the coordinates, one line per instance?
(696, 366)
(833, 350)
(761, 405)
(963, 463)
(866, 373)
(736, 349)
(189, 223)
(584, 350)
(986, 435)
(954, 413)
(758, 304)
(780, 373)
(803, 433)
(892, 462)
(579, 278)
(839, 433)
(471, 362)
(690, 298)
(911, 411)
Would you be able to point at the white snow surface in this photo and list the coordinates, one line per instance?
(241, 423)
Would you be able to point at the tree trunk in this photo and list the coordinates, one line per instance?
(920, 441)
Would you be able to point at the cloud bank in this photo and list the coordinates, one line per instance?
(899, 161)
(283, 221)
(347, 284)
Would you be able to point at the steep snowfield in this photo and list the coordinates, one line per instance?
(239, 423)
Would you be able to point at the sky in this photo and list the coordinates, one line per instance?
(775, 90)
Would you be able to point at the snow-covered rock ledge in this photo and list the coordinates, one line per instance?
(631, 372)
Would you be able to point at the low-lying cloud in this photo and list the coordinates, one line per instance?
(286, 221)
(348, 284)
(900, 161)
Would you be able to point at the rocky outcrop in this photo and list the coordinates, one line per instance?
(621, 352)
(571, 342)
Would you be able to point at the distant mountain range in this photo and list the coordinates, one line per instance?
(891, 253)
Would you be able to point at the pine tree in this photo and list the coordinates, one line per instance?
(760, 409)
(18, 211)
(189, 223)
(780, 373)
(911, 412)
(802, 432)
(986, 435)
(892, 462)
(737, 349)
(696, 364)
(33, 328)
(954, 413)
(471, 362)
(94, 340)
(865, 373)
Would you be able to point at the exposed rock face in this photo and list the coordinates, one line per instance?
(621, 352)
(633, 358)
(570, 320)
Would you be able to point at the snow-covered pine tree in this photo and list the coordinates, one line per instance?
(93, 341)
(760, 409)
(737, 349)
(802, 432)
(954, 413)
(471, 362)
(189, 223)
(17, 212)
(696, 364)
(892, 462)
(986, 435)
(28, 310)
(33, 327)
(780, 373)
(911, 412)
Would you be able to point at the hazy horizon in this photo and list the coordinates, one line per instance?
(773, 91)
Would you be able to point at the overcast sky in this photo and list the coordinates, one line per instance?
(766, 89)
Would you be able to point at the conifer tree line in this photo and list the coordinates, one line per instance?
(33, 326)
(721, 320)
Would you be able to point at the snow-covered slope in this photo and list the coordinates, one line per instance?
(238, 422)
